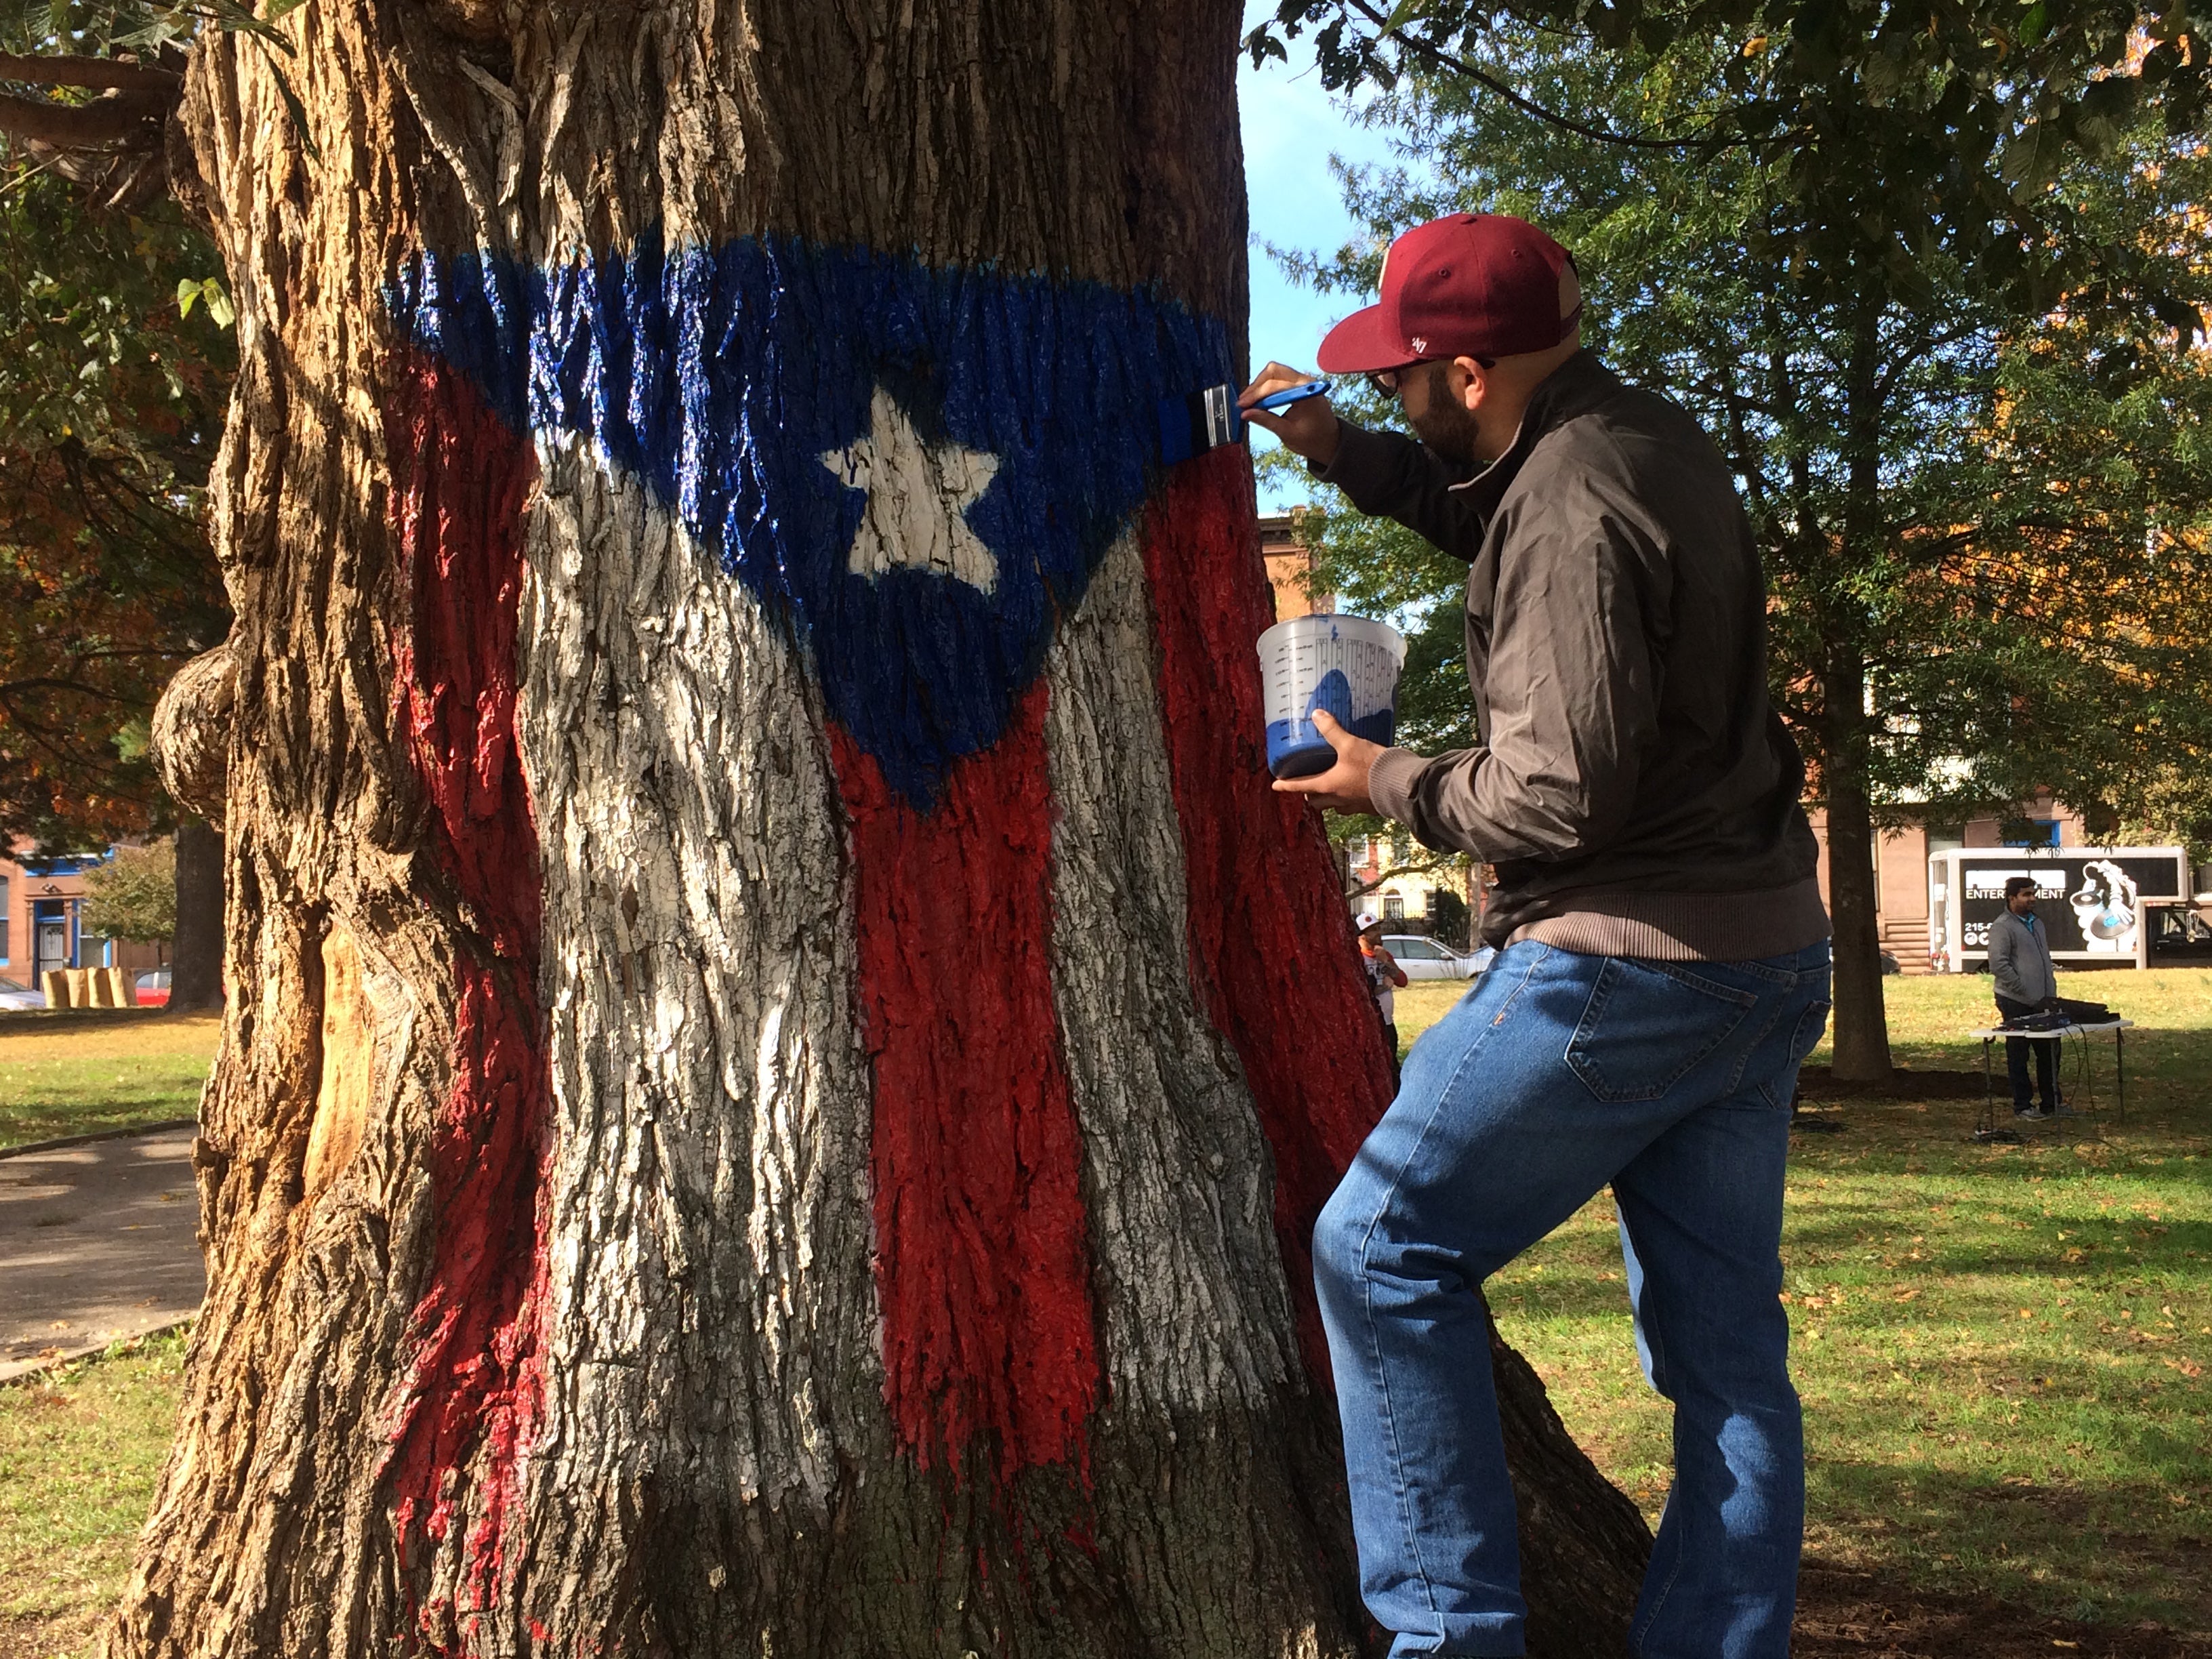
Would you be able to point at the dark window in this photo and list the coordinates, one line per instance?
(2030, 832)
(1394, 908)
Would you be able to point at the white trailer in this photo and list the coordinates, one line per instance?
(2091, 899)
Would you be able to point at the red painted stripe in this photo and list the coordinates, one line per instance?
(470, 1397)
(1272, 944)
(982, 1254)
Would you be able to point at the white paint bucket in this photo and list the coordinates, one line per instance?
(1346, 665)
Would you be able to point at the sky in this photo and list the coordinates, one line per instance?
(1291, 128)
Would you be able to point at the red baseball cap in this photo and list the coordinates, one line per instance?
(1469, 285)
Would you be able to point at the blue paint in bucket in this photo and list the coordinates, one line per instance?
(1296, 748)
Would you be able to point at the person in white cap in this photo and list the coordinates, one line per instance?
(1384, 975)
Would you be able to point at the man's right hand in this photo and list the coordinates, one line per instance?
(1308, 429)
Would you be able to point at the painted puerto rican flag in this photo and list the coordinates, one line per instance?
(922, 512)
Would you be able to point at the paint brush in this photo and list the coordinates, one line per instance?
(1206, 420)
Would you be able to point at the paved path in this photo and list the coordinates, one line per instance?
(98, 1242)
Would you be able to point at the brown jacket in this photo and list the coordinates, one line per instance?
(1632, 786)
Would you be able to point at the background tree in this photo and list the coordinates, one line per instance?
(134, 894)
(1918, 273)
(783, 1052)
(1449, 918)
(2172, 803)
(111, 397)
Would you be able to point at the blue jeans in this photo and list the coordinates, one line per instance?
(1557, 1073)
(2046, 1061)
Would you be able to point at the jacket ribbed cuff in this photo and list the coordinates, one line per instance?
(1390, 784)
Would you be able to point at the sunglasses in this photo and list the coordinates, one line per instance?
(1386, 382)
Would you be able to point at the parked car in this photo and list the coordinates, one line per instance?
(1429, 959)
(2179, 937)
(153, 988)
(20, 998)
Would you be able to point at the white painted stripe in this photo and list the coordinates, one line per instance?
(1193, 1302)
(706, 1192)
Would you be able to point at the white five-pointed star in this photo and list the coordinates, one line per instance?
(916, 517)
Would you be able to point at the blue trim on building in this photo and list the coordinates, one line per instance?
(65, 864)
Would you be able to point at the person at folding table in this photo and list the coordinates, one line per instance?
(1663, 960)
(2026, 983)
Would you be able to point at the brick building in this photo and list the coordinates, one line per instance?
(1901, 897)
(42, 920)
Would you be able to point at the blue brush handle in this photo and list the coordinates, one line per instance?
(1289, 395)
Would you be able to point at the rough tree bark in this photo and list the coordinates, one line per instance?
(191, 743)
(783, 1056)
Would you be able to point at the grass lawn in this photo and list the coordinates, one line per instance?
(77, 1073)
(2005, 1352)
(79, 1451)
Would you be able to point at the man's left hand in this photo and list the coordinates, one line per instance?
(1344, 785)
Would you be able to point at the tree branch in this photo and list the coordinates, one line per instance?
(1443, 59)
(109, 74)
(108, 120)
(1418, 867)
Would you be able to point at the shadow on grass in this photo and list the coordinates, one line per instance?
(1866, 1244)
(54, 1022)
(2077, 1547)
(1846, 1614)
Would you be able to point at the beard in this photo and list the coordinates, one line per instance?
(1446, 425)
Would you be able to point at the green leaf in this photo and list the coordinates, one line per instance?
(1401, 14)
(187, 291)
(219, 306)
(292, 104)
(135, 738)
(230, 15)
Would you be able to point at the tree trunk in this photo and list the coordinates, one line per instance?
(1862, 1024)
(783, 1054)
(196, 972)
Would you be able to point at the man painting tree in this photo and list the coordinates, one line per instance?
(1935, 277)
(783, 1056)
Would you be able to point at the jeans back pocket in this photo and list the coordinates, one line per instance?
(1648, 1025)
(1811, 1025)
